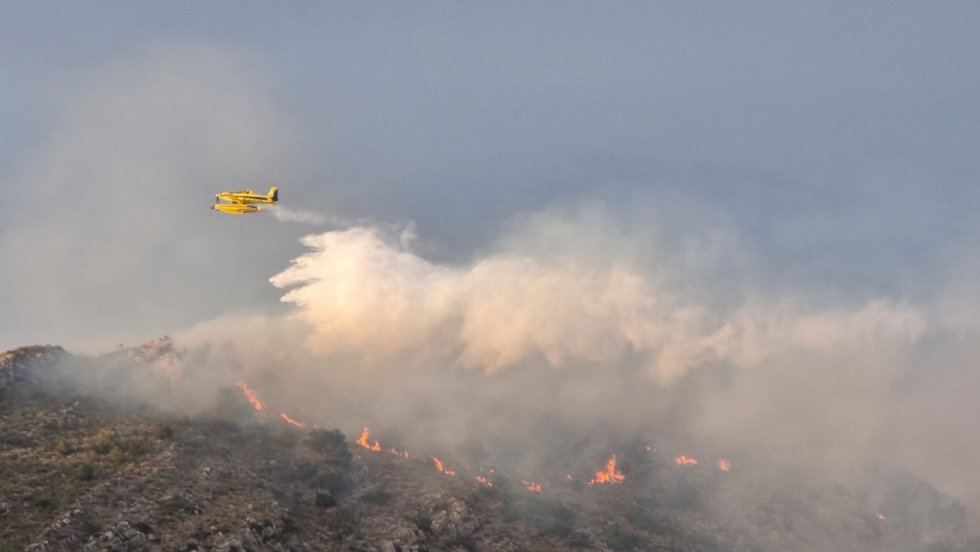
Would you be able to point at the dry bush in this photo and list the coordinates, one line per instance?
(331, 447)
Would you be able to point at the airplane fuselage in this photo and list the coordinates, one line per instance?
(246, 196)
(243, 202)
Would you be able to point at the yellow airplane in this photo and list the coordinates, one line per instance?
(243, 202)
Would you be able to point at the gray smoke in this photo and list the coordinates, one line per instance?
(578, 320)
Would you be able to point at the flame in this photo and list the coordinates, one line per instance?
(610, 475)
(881, 517)
(532, 486)
(440, 467)
(257, 404)
(396, 452)
(249, 394)
(363, 441)
(292, 421)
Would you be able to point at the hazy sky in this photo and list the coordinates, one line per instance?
(835, 143)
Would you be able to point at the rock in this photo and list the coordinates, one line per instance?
(386, 546)
(402, 534)
(454, 522)
(229, 546)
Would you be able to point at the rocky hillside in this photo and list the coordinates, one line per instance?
(78, 472)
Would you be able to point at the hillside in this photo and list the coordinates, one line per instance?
(79, 471)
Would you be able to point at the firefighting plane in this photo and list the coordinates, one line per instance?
(244, 201)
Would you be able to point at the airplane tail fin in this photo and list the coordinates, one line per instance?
(273, 194)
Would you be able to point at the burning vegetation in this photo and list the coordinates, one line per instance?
(609, 475)
(363, 441)
(248, 475)
(685, 461)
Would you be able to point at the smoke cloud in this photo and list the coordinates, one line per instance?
(577, 332)
(365, 291)
(290, 214)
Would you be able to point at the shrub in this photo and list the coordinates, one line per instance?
(45, 502)
(122, 449)
(331, 446)
(162, 431)
(134, 446)
(174, 505)
(86, 472)
(334, 482)
(329, 443)
(341, 520)
(645, 520)
(325, 500)
(379, 497)
(64, 447)
(544, 515)
(467, 543)
(117, 454)
(303, 471)
(421, 520)
(103, 441)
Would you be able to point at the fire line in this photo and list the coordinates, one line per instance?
(610, 475)
(685, 461)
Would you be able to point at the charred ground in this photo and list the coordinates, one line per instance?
(80, 472)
